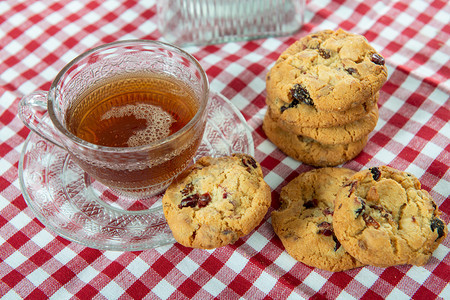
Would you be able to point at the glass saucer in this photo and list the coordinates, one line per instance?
(68, 202)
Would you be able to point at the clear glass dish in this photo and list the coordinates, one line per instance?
(197, 22)
(71, 204)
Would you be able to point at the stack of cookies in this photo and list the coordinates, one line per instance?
(337, 219)
(322, 97)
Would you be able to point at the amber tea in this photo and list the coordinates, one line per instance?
(131, 115)
(131, 111)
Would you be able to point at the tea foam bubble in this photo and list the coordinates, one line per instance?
(158, 122)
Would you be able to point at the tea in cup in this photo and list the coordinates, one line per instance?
(131, 114)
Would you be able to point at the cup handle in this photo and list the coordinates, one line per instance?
(32, 109)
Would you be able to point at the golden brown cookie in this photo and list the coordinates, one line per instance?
(344, 134)
(329, 70)
(217, 201)
(310, 116)
(383, 218)
(309, 151)
(304, 222)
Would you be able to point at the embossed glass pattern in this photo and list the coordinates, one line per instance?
(186, 22)
(139, 171)
(67, 201)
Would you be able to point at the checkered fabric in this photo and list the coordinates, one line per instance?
(37, 38)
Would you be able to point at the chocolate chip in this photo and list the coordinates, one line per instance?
(360, 210)
(284, 107)
(376, 174)
(294, 103)
(434, 205)
(377, 59)
(324, 53)
(351, 71)
(310, 204)
(383, 212)
(336, 241)
(437, 224)
(298, 94)
(188, 189)
(190, 201)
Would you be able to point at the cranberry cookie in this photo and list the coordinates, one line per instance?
(308, 150)
(304, 222)
(344, 134)
(310, 116)
(329, 70)
(217, 201)
(383, 218)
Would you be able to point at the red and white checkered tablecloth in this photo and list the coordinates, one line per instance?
(37, 38)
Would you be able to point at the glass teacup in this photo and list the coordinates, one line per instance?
(130, 113)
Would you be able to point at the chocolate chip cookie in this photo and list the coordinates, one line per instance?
(217, 201)
(383, 218)
(304, 222)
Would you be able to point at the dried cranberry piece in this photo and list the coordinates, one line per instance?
(324, 53)
(326, 232)
(384, 213)
(370, 221)
(325, 228)
(327, 211)
(195, 200)
(249, 161)
(376, 174)
(204, 200)
(437, 224)
(325, 225)
(377, 59)
(352, 185)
